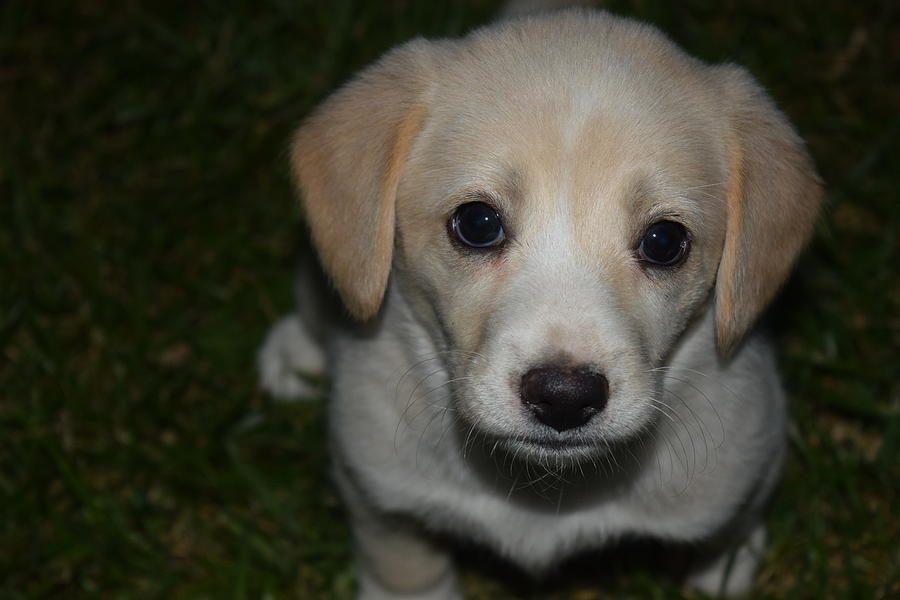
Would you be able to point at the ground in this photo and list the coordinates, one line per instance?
(147, 233)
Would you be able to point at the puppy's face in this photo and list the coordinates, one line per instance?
(558, 240)
(559, 198)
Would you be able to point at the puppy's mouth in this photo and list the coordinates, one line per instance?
(557, 415)
(542, 450)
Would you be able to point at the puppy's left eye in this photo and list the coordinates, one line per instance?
(477, 224)
(664, 243)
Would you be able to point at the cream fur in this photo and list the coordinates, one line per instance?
(582, 128)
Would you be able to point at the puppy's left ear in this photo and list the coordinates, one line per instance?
(347, 159)
(773, 199)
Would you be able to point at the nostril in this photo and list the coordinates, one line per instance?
(564, 397)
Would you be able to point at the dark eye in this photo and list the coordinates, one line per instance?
(664, 243)
(477, 224)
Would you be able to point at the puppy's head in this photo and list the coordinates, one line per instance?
(559, 197)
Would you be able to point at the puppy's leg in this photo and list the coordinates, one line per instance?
(287, 354)
(394, 561)
(731, 573)
(396, 564)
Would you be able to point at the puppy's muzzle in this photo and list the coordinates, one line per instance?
(564, 397)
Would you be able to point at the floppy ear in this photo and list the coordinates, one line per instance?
(346, 161)
(773, 199)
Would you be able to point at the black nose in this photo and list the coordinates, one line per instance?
(564, 397)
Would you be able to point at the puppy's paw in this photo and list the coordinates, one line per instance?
(445, 588)
(289, 355)
(731, 574)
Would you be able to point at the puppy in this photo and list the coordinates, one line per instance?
(555, 235)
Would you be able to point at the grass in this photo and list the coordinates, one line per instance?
(147, 231)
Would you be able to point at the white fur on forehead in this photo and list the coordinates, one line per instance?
(579, 55)
(502, 100)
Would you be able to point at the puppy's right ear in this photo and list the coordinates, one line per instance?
(773, 199)
(346, 161)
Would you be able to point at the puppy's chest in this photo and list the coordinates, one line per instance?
(535, 527)
(533, 532)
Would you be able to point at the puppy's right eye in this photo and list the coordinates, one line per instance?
(477, 224)
(664, 244)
